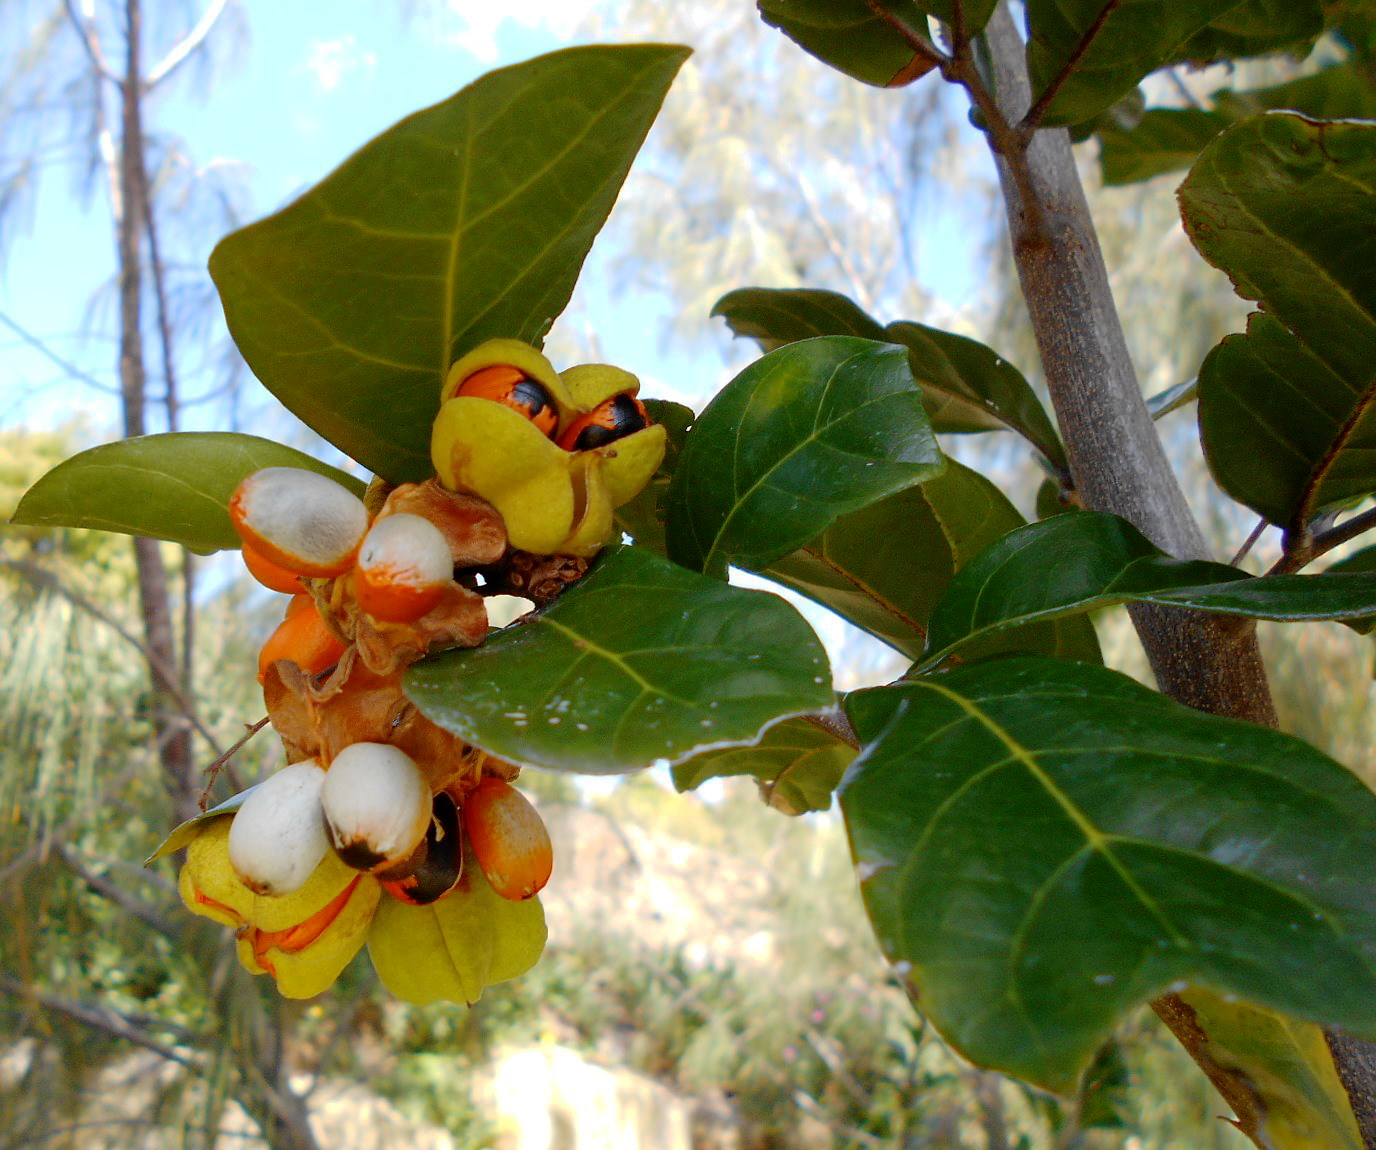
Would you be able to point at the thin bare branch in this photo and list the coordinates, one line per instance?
(1249, 543)
(186, 46)
(129, 903)
(1301, 554)
(90, 43)
(96, 1017)
(40, 346)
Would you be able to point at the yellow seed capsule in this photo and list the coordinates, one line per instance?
(404, 566)
(300, 520)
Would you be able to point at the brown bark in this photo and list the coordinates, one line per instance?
(172, 732)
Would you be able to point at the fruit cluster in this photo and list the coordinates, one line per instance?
(374, 831)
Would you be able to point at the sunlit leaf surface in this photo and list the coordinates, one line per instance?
(1042, 845)
(641, 661)
(807, 433)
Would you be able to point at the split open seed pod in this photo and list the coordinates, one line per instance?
(277, 838)
(300, 520)
(376, 802)
(403, 568)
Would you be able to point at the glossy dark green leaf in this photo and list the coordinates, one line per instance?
(885, 566)
(1298, 401)
(640, 662)
(1074, 563)
(1283, 432)
(1309, 270)
(797, 764)
(174, 486)
(807, 433)
(1096, 51)
(644, 516)
(1043, 845)
(1256, 28)
(969, 387)
(465, 221)
(1164, 140)
(854, 38)
(1361, 563)
(966, 386)
(773, 317)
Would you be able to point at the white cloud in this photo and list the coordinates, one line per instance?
(330, 60)
(480, 21)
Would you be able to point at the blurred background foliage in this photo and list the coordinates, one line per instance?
(740, 975)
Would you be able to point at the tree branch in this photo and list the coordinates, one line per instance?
(86, 34)
(135, 907)
(1298, 555)
(182, 50)
(98, 1018)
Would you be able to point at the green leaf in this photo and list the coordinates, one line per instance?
(1098, 50)
(1043, 845)
(1256, 28)
(773, 317)
(798, 764)
(965, 385)
(1309, 270)
(1075, 563)
(805, 434)
(1286, 415)
(855, 39)
(174, 486)
(885, 566)
(1164, 140)
(644, 516)
(641, 661)
(1362, 562)
(1283, 432)
(465, 221)
(969, 387)
(1340, 91)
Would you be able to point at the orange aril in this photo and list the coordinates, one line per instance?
(271, 575)
(303, 638)
(404, 566)
(300, 520)
(508, 838)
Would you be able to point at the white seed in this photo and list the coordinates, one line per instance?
(406, 549)
(308, 517)
(377, 805)
(276, 840)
